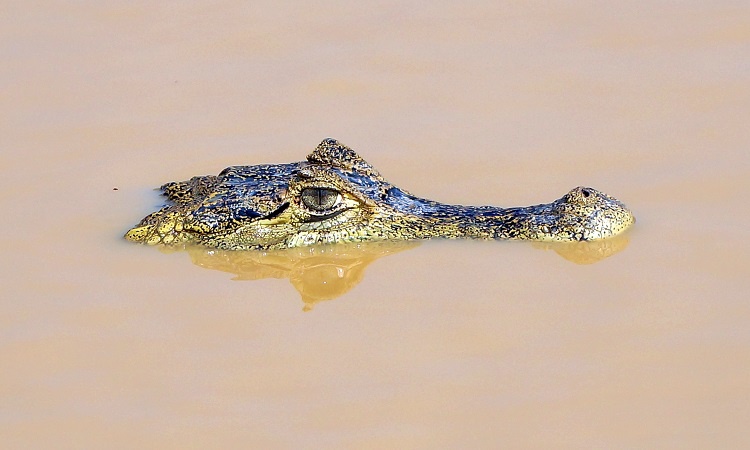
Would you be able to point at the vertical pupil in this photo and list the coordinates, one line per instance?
(319, 198)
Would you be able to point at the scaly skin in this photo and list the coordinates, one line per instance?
(335, 196)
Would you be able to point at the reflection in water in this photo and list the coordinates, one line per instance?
(328, 271)
(587, 252)
(318, 273)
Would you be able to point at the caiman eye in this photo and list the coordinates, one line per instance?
(320, 199)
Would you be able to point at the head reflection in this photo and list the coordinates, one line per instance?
(327, 272)
(318, 273)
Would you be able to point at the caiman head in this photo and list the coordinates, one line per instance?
(336, 196)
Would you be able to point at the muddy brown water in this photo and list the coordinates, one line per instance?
(107, 344)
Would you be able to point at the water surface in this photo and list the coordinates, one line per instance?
(445, 344)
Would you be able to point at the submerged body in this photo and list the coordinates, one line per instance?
(335, 196)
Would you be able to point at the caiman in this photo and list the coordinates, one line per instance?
(336, 196)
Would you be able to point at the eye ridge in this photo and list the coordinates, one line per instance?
(320, 198)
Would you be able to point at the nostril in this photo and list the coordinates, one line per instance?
(585, 192)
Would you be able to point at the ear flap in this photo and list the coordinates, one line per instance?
(333, 153)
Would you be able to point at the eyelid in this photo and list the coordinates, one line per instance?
(329, 215)
(308, 177)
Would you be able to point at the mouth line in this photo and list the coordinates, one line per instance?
(277, 212)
